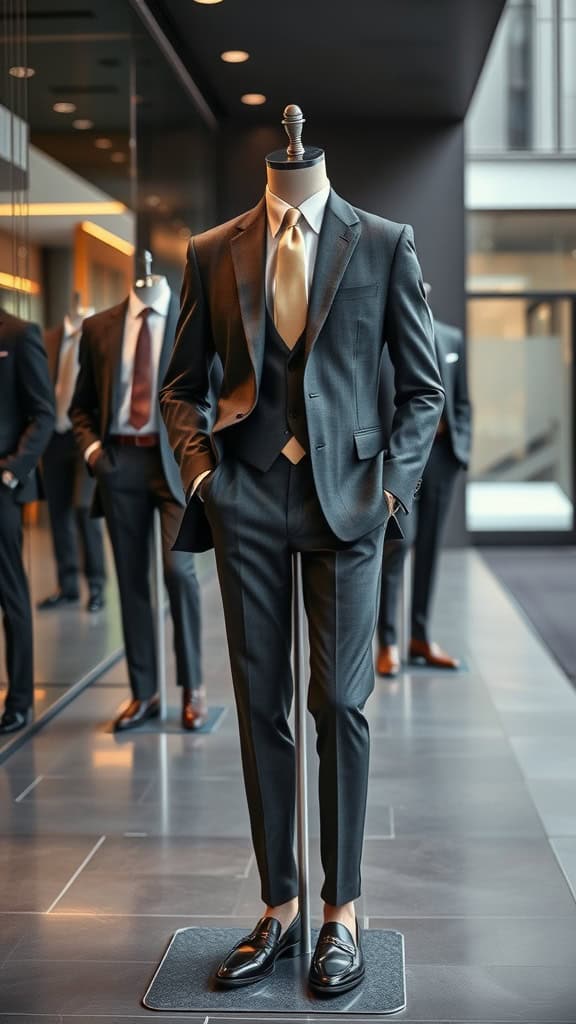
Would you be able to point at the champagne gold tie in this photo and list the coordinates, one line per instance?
(291, 299)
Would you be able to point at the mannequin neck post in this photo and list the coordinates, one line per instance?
(295, 182)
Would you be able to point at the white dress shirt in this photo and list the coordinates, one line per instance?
(310, 223)
(66, 374)
(132, 324)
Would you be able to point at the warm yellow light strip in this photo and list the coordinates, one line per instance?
(108, 237)
(61, 209)
(19, 284)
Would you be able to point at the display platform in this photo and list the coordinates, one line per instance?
(183, 982)
(172, 723)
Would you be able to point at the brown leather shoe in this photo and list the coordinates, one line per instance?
(138, 711)
(194, 709)
(388, 661)
(432, 655)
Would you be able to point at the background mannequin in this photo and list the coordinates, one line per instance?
(123, 356)
(68, 486)
(424, 530)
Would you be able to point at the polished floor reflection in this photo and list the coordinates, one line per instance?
(107, 845)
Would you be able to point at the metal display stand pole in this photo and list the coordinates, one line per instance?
(404, 608)
(160, 622)
(300, 743)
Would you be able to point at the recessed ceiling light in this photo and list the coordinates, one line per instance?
(153, 200)
(103, 143)
(208, 2)
(64, 108)
(83, 124)
(253, 99)
(118, 157)
(235, 56)
(19, 71)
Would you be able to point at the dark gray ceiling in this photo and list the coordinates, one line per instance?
(360, 58)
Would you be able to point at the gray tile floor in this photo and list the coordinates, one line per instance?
(108, 845)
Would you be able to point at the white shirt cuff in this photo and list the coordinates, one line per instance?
(91, 448)
(197, 481)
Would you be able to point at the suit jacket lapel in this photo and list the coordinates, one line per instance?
(112, 363)
(53, 341)
(168, 341)
(338, 238)
(248, 249)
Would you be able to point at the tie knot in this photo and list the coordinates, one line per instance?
(145, 313)
(291, 217)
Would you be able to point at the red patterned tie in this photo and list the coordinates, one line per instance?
(141, 397)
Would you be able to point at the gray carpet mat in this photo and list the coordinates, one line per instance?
(543, 582)
(183, 982)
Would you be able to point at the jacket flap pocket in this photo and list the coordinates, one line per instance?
(369, 442)
(361, 291)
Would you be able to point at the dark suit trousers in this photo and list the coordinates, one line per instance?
(132, 485)
(15, 605)
(424, 529)
(68, 491)
(258, 520)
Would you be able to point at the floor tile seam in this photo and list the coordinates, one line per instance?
(92, 853)
(103, 914)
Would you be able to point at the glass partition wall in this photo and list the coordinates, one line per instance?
(102, 153)
(521, 338)
(521, 368)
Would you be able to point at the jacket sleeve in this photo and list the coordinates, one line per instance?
(37, 398)
(83, 411)
(463, 407)
(185, 396)
(418, 391)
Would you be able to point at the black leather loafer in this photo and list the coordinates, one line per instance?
(337, 964)
(254, 957)
(13, 721)
(56, 600)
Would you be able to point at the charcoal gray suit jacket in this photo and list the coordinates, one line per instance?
(26, 404)
(367, 292)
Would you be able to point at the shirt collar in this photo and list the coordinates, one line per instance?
(136, 305)
(312, 209)
(69, 329)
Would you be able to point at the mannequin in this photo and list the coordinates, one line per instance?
(294, 456)
(296, 173)
(121, 436)
(67, 485)
(450, 454)
(148, 286)
(77, 313)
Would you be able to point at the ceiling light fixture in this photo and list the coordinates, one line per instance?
(108, 237)
(80, 209)
(253, 99)
(19, 284)
(235, 56)
(64, 108)
(153, 200)
(118, 157)
(83, 124)
(19, 71)
(103, 143)
(208, 3)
